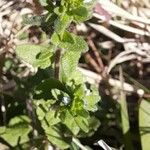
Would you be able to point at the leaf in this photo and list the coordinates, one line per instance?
(94, 123)
(79, 91)
(80, 14)
(78, 77)
(62, 23)
(51, 83)
(52, 118)
(2, 130)
(44, 59)
(18, 131)
(54, 136)
(76, 43)
(40, 113)
(70, 122)
(144, 123)
(69, 62)
(91, 100)
(19, 119)
(36, 55)
(73, 48)
(82, 123)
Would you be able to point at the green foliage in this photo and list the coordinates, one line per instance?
(17, 131)
(36, 55)
(144, 123)
(64, 107)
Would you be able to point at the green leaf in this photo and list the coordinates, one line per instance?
(2, 130)
(19, 119)
(52, 118)
(54, 135)
(40, 113)
(82, 123)
(73, 48)
(79, 91)
(69, 62)
(90, 102)
(144, 123)
(44, 59)
(76, 43)
(18, 131)
(62, 23)
(91, 99)
(78, 77)
(49, 84)
(70, 122)
(80, 14)
(36, 55)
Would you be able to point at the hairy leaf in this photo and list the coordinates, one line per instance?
(36, 55)
(18, 131)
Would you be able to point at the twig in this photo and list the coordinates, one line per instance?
(125, 27)
(109, 33)
(111, 7)
(96, 53)
(92, 62)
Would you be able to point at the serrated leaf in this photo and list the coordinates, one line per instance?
(77, 44)
(29, 53)
(19, 119)
(79, 91)
(69, 62)
(70, 58)
(91, 100)
(77, 105)
(78, 77)
(17, 132)
(40, 113)
(54, 136)
(44, 59)
(62, 23)
(51, 118)
(21, 134)
(144, 123)
(82, 123)
(70, 122)
(80, 14)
